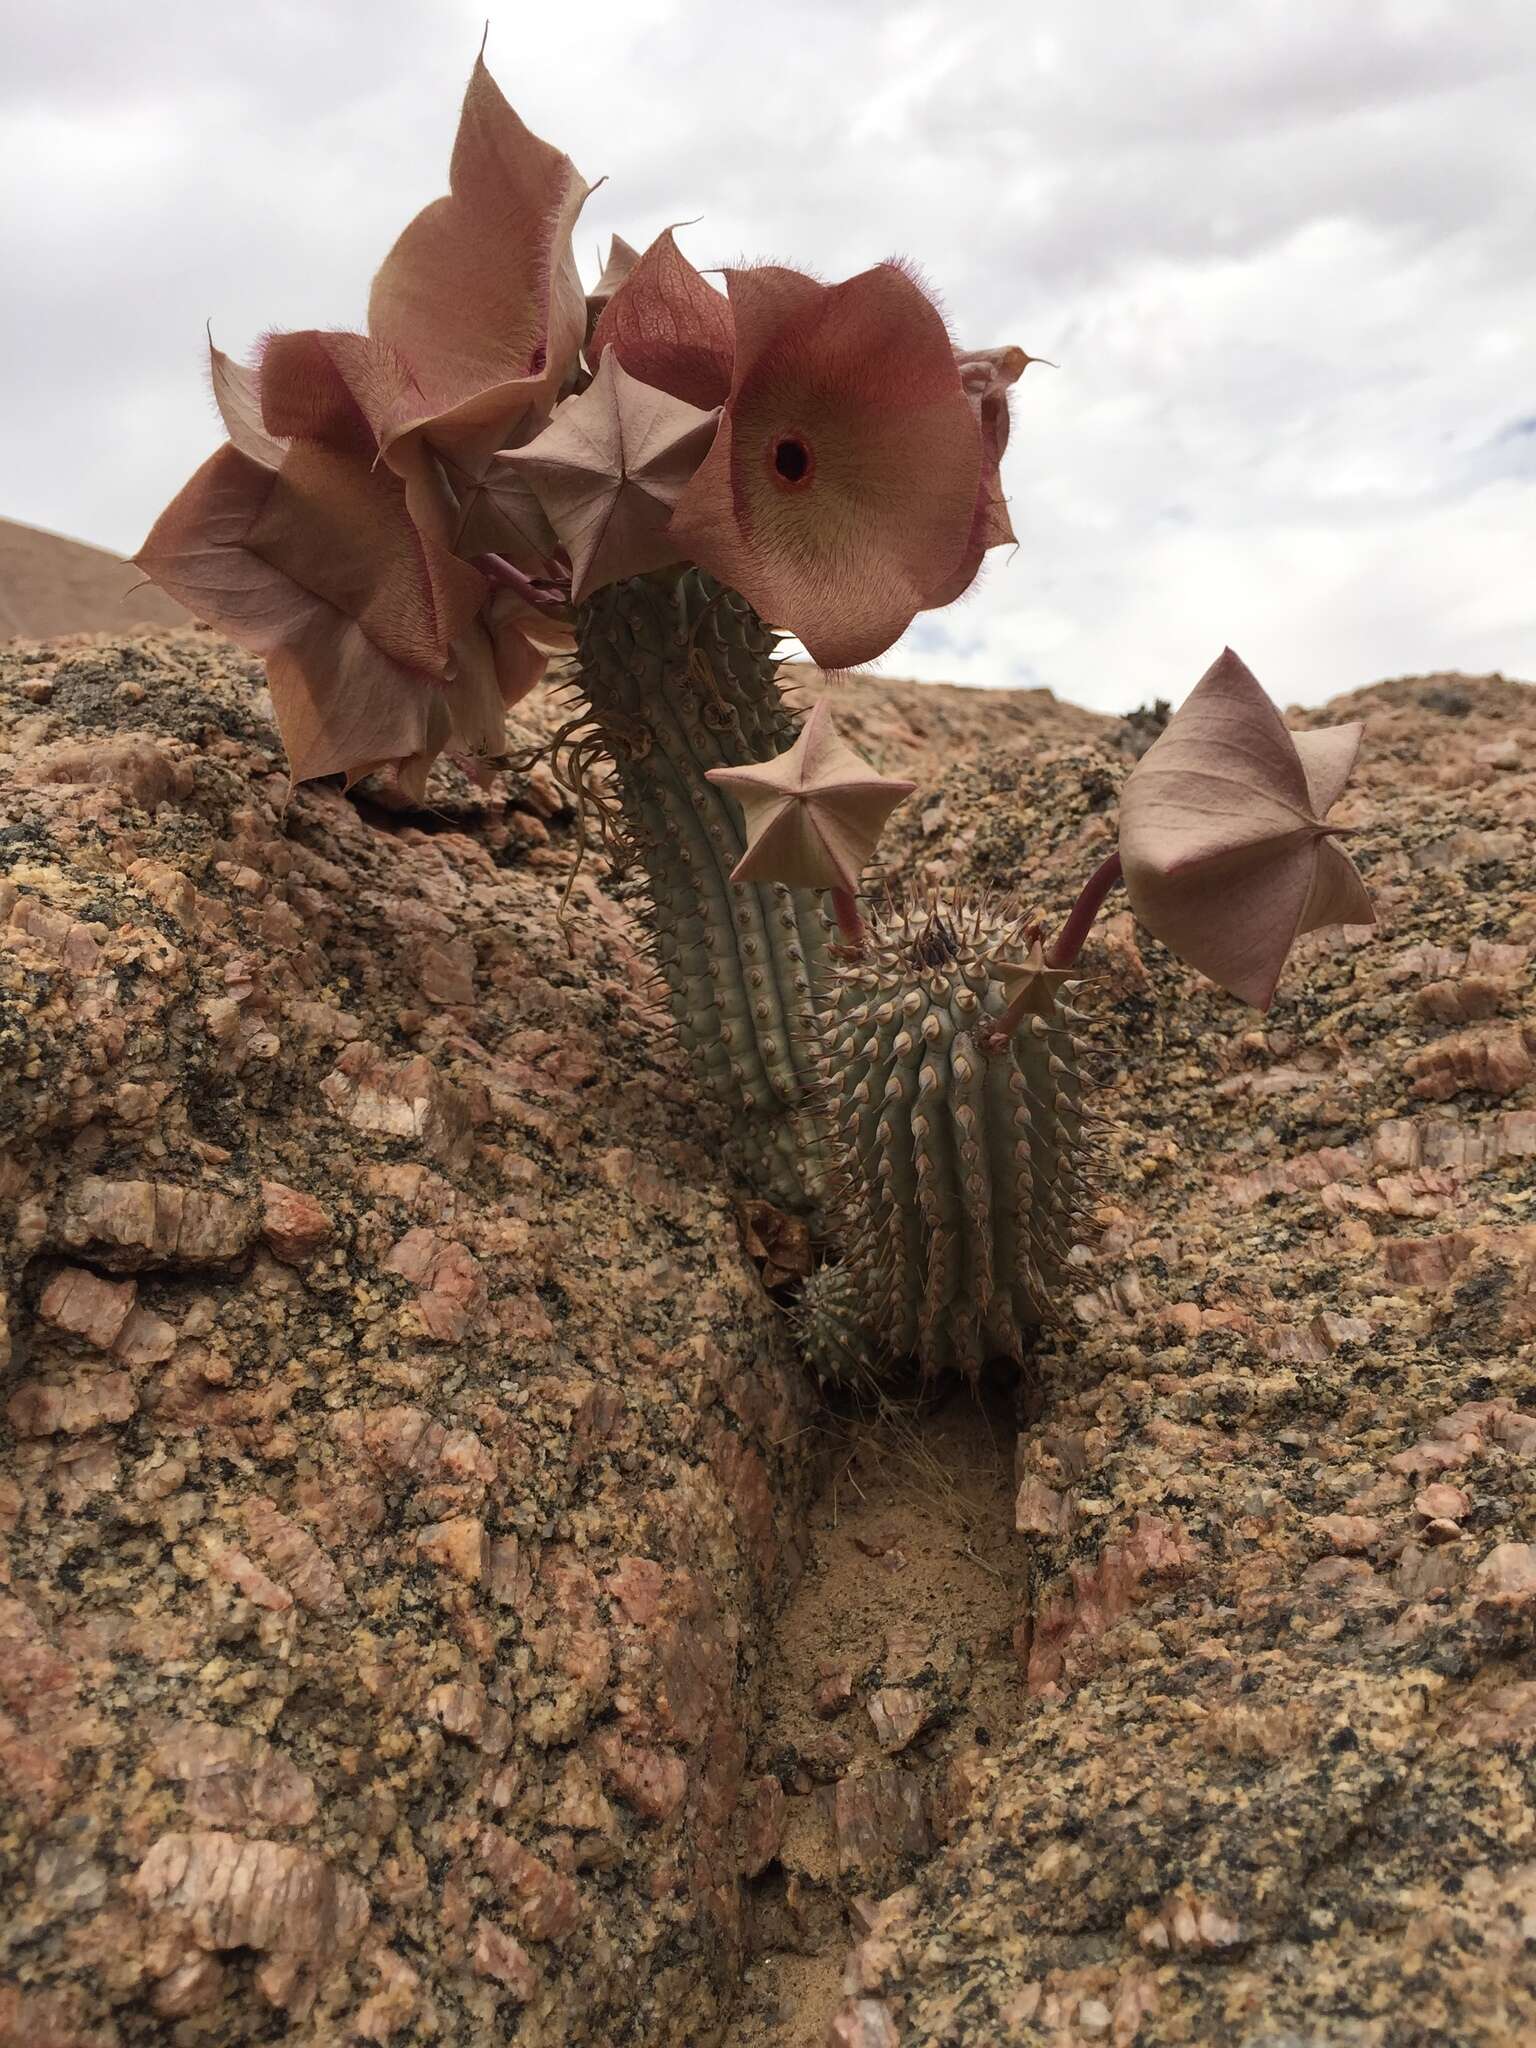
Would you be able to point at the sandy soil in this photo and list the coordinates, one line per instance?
(913, 1561)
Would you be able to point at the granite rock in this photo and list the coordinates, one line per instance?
(353, 1401)
(1275, 1779)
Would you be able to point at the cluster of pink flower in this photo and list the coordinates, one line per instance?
(401, 521)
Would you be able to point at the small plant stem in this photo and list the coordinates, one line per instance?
(1068, 942)
(850, 925)
(501, 571)
(998, 1035)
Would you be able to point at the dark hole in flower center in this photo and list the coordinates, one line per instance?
(792, 460)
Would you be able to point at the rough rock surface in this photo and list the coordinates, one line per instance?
(398, 1452)
(404, 1484)
(1275, 1782)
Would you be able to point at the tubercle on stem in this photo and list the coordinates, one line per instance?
(1054, 959)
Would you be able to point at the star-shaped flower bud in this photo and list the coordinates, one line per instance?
(608, 470)
(1227, 858)
(1029, 985)
(814, 813)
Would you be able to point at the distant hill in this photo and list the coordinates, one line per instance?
(50, 586)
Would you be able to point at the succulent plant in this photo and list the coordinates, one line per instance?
(653, 481)
(833, 1331)
(959, 1142)
(678, 678)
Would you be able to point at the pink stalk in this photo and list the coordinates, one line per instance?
(998, 1034)
(1068, 942)
(500, 570)
(849, 923)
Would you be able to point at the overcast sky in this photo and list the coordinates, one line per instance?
(1283, 250)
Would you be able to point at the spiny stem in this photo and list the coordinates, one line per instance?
(1068, 942)
(850, 925)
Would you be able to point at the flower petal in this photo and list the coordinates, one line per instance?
(331, 387)
(669, 328)
(196, 550)
(519, 662)
(503, 516)
(621, 261)
(1225, 854)
(473, 690)
(480, 294)
(1237, 921)
(348, 392)
(339, 527)
(317, 566)
(814, 813)
(1327, 760)
(343, 708)
(1338, 896)
(843, 484)
(986, 374)
(1223, 775)
(237, 394)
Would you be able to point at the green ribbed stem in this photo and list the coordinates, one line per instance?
(960, 1152)
(680, 677)
(831, 1330)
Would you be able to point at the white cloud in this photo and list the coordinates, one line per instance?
(1281, 252)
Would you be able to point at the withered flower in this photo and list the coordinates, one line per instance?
(1226, 854)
